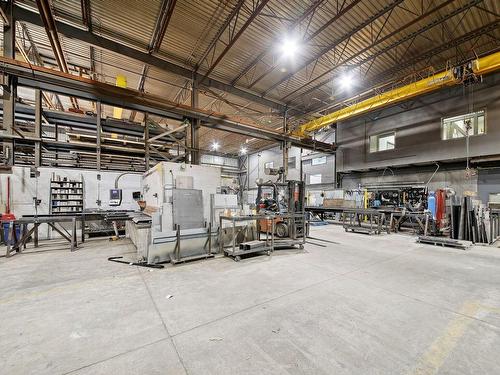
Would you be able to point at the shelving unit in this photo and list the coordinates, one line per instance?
(66, 196)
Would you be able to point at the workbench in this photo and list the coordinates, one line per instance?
(322, 211)
(421, 219)
(364, 220)
(53, 221)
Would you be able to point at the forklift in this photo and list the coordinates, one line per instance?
(283, 198)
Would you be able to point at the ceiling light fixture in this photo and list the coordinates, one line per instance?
(243, 150)
(347, 80)
(215, 146)
(289, 47)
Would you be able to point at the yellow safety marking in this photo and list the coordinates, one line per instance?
(121, 81)
(434, 358)
(491, 308)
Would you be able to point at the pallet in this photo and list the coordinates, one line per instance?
(363, 230)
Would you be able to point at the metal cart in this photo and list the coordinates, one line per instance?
(260, 245)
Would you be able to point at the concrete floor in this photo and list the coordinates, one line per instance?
(362, 305)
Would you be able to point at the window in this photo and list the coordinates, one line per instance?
(318, 161)
(382, 142)
(292, 162)
(269, 164)
(461, 126)
(315, 179)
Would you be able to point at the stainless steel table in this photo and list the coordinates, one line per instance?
(267, 245)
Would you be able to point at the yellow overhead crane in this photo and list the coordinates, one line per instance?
(480, 66)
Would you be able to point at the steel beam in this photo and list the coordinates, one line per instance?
(137, 53)
(390, 47)
(162, 22)
(9, 90)
(38, 61)
(38, 127)
(50, 27)
(312, 8)
(98, 134)
(235, 38)
(335, 43)
(221, 30)
(334, 18)
(140, 88)
(67, 84)
(146, 140)
(285, 146)
(86, 13)
(195, 127)
(381, 80)
(168, 132)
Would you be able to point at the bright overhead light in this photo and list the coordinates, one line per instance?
(243, 151)
(347, 80)
(215, 146)
(289, 47)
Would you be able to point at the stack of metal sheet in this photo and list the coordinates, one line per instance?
(443, 241)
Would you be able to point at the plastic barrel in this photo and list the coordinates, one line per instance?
(431, 204)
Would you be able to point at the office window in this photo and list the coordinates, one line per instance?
(382, 142)
(269, 164)
(315, 179)
(318, 161)
(456, 127)
(292, 162)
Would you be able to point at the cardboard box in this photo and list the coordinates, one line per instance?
(333, 203)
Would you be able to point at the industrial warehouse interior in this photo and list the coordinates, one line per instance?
(250, 187)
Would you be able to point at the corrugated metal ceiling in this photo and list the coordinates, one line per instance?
(194, 25)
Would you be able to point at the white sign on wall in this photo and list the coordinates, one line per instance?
(315, 179)
(318, 161)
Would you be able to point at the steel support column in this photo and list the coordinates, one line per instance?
(146, 141)
(98, 135)
(195, 127)
(286, 146)
(9, 90)
(38, 127)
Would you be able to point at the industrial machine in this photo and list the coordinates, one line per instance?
(177, 197)
(284, 198)
(413, 198)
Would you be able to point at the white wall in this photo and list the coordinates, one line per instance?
(257, 161)
(24, 188)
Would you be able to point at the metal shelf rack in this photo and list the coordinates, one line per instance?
(66, 196)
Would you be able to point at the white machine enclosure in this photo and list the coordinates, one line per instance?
(158, 191)
(160, 180)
